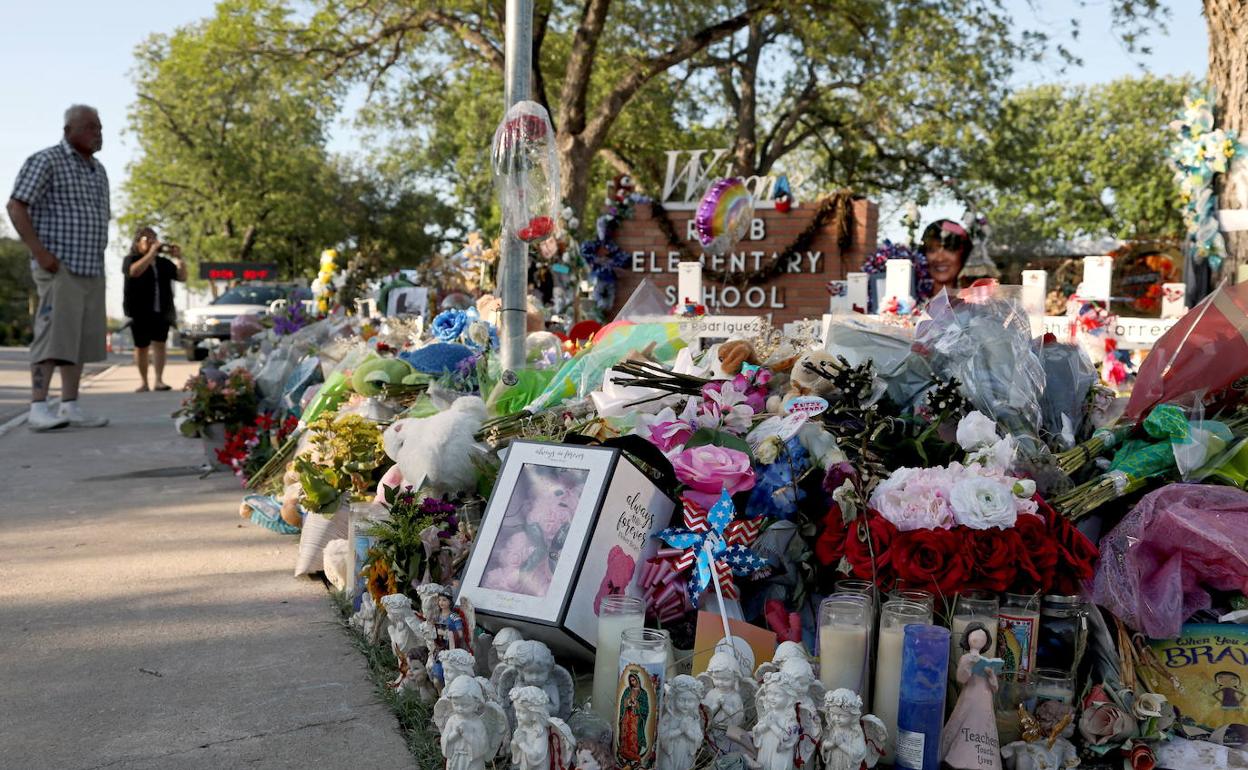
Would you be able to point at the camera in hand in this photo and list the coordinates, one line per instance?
(166, 248)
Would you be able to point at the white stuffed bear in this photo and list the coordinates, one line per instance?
(437, 450)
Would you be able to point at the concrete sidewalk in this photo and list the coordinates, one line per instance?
(15, 379)
(144, 625)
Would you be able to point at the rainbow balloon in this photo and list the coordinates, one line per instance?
(724, 215)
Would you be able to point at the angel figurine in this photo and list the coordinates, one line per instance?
(403, 629)
(530, 663)
(365, 617)
(724, 700)
(787, 732)
(490, 648)
(851, 741)
(786, 651)
(680, 729)
(540, 741)
(473, 727)
(1042, 749)
(458, 663)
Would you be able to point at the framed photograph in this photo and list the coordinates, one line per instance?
(565, 526)
(407, 300)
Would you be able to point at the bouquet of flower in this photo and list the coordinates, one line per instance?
(345, 452)
(422, 541)
(214, 398)
(966, 525)
(248, 447)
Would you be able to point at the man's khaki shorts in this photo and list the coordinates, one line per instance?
(71, 322)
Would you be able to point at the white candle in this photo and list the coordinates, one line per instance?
(842, 656)
(888, 683)
(611, 626)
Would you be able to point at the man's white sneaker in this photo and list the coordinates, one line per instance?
(73, 414)
(42, 418)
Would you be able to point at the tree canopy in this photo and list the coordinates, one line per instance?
(1068, 162)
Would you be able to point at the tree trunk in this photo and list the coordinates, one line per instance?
(575, 160)
(249, 241)
(1228, 74)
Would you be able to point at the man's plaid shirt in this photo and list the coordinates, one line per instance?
(68, 199)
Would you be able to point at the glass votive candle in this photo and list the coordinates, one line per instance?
(643, 671)
(895, 615)
(1054, 684)
(1014, 688)
(972, 607)
(845, 621)
(921, 705)
(616, 614)
(1018, 624)
(914, 595)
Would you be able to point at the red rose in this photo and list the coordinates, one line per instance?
(869, 546)
(932, 559)
(994, 555)
(830, 545)
(1037, 555)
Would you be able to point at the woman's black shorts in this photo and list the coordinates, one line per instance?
(149, 328)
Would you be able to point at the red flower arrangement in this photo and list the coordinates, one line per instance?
(249, 447)
(1043, 553)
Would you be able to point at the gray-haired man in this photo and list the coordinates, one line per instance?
(60, 209)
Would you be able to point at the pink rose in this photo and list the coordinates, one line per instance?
(1103, 723)
(670, 434)
(707, 470)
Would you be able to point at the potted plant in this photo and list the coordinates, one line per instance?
(217, 402)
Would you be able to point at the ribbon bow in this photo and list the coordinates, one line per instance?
(717, 547)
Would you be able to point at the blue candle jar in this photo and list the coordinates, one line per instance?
(921, 709)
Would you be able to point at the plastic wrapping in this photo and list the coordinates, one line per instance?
(526, 172)
(584, 372)
(1205, 351)
(887, 346)
(1178, 541)
(1068, 378)
(985, 341)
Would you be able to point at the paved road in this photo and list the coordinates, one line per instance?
(15, 379)
(144, 626)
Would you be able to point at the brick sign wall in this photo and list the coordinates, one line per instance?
(799, 293)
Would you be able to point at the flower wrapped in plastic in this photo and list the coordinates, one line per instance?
(526, 173)
(984, 340)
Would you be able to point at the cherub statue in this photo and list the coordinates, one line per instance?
(489, 649)
(724, 683)
(680, 728)
(1041, 751)
(787, 732)
(530, 663)
(851, 741)
(405, 638)
(785, 651)
(365, 618)
(540, 741)
(473, 726)
(457, 663)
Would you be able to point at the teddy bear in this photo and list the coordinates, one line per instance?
(804, 382)
(437, 450)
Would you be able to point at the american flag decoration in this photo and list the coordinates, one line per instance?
(713, 543)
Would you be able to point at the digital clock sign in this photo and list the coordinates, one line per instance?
(237, 271)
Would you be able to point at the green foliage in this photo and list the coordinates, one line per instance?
(17, 293)
(1068, 162)
(232, 161)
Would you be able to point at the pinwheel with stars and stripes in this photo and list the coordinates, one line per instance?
(714, 543)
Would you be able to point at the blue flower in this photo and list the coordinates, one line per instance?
(776, 493)
(449, 325)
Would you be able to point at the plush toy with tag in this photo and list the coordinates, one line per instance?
(437, 450)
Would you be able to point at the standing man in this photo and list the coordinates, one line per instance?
(60, 209)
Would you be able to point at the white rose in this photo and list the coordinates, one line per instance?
(976, 430)
(1024, 488)
(998, 456)
(982, 503)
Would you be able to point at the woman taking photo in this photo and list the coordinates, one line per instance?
(148, 300)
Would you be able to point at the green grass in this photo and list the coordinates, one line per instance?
(415, 718)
